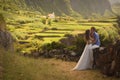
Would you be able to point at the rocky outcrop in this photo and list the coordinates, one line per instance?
(108, 59)
(6, 39)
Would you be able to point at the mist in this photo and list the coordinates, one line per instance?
(114, 1)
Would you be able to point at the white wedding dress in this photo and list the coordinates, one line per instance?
(86, 59)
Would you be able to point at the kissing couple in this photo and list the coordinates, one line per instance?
(92, 41)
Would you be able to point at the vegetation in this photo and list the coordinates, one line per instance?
(18, 67)
(35, 34)
(116, 8)
(30, 32)
(69, 7)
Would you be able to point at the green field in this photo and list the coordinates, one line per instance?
(31, 29)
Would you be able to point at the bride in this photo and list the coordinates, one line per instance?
(86, 59)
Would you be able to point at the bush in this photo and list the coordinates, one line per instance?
(36, 43)
(68, 35)
(19, 35)
(56, 20)
(54, 29)
(21, 22)
(108, 35)
(44, 21)
(71, 48)
(74, 43)
(53, 45)
(49, 22)
(80, 44)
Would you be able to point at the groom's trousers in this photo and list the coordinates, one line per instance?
(92, 54)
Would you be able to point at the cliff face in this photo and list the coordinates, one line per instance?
(47, 6)
(83, 7)
(114, 1)
(60, 7)
(87, 7)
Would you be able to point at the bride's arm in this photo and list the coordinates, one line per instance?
(93, 40)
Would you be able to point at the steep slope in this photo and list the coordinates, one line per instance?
(47, 6)
(114, 1)
(60, 7)
(87, 7)
(116, 8)
(115, 4)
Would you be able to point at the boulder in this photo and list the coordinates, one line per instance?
(108, 59)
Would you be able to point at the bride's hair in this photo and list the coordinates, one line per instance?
(87, 34)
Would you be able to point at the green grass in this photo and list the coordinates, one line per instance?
(49, 34)
(96, 24)
(59, 31)
(80, 26)
(49, 40)
(17, 67)
(21, 68)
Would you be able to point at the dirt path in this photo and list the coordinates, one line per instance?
(66, 68)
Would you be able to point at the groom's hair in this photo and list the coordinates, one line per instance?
(93, 28)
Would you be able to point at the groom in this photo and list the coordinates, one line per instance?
(95, 43)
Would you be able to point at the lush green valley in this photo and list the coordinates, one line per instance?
(35, 33)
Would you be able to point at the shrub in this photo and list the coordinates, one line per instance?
(49, 22)
(71, 48)
(21, 22)
(53, 45)
(68, 35)
(19, 35)
(80, 44)
(108, 35)
(36, 43)
(55, 20)
(44, 21)
(54, 28)
(74, 43)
